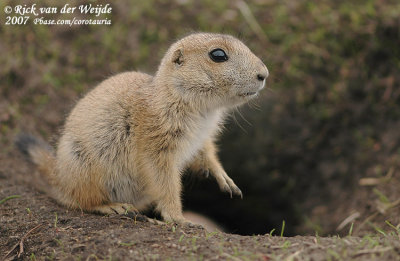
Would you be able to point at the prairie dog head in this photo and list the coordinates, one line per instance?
(213, 70)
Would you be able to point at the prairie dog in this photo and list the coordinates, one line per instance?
(126, 143)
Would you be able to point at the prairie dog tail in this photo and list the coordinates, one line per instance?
(40, 153)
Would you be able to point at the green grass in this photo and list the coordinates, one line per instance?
(129, 244)
(55, 219)
(351, 229)
(8, 198)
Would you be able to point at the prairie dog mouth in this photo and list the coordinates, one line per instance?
(247, 94)
(253, 93)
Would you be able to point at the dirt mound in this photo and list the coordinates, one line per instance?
(33, 227)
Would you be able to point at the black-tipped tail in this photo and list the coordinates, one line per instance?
(26, 142)
(41, 154)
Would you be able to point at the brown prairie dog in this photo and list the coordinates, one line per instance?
(126, 143)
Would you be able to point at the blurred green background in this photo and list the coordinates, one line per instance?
(330, 114)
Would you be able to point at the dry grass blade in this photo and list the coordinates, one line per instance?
(383, 207)
(348, 220)
(251, 20)
(372, 251)
(21, 243)
(293, 256)
(230, 257)
(369, 181)
(376, 181)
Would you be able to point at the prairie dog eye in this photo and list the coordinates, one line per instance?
(218, 55)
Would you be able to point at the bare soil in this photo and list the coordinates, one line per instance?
(34, 227)
(45, 70)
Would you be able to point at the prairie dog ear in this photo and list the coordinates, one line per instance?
(177, 57)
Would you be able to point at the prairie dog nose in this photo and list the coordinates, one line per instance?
(261, 77)
(262, 74)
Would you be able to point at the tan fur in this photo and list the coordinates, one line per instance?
(127, 142)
